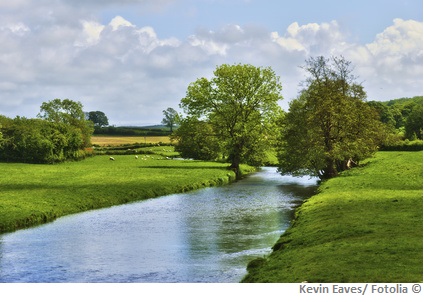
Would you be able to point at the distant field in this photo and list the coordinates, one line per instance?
(122, 140)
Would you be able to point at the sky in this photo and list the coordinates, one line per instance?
(132, 59)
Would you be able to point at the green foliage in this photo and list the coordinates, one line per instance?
(62, 133)
(196, 139)
(131, 131)
(171, 118)
(39, 141)
(414, 123)
(33, 194)
(240, 105)
(70, 113)
(404, 145)
(329, 124)
(403, 121)
(386, 114)
(98, 118)
(1, 136)
(397, 111)
(364, 226)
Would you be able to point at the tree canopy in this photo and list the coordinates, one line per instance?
(196, 139)
(239, 104)
(171, 118)
(329, 125)
(403, 117)
(68, 112)
(60, 133)
(98, 118)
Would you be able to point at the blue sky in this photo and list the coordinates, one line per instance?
(361, 18)
(132, 59)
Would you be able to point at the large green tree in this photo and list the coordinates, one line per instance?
(329, 125)
(240, 103)
(98, 118)
(71, 113)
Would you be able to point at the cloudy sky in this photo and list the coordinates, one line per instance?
(132, 59)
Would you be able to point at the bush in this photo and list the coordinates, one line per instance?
(406, 145)
(40, 141)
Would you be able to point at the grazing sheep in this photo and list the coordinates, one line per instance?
(136, 157)
(111, 158)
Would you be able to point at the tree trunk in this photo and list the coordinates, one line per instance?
(330, 170)
(235, 165)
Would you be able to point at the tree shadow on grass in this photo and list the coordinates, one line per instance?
(184, 167)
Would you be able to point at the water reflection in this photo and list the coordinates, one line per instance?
(207, 235)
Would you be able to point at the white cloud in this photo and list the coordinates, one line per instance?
(392, 64)
(132, 74)
(91, 32)
(401, 38)
(16, 28)
(118, 22)
(312, 38)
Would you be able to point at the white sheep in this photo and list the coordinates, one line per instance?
(136, 157)
(111, 158)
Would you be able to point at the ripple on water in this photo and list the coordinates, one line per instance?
(208, 235)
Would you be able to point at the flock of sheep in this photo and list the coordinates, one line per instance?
(146, 156)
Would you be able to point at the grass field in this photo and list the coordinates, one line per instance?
(127, 140)
(32, 194)
(364, 226)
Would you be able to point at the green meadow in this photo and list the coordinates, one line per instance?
(31, 194)
(363, 226)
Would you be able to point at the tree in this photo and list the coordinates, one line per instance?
(196, 139)
(171, 118)
(58, 111)
(240, 104)
(1, 136)
(70, 113)
(98, 118)
(329, 125)
(414, 123)
(385, 112)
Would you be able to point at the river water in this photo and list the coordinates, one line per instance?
(208, 235)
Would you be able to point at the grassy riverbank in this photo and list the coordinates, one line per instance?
(33, 194)
(364, 226)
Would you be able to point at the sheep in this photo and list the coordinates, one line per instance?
(111, 158)
(136, 157)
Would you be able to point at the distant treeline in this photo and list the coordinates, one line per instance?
(403, 117)
(132, 131)
(404, 121)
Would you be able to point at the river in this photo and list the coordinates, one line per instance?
(208, 235)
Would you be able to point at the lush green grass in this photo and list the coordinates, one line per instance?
(364, 226)
(32, 194)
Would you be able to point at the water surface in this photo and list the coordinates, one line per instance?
(208, 235)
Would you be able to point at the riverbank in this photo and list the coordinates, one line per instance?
(364, 226)
(34, 194)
